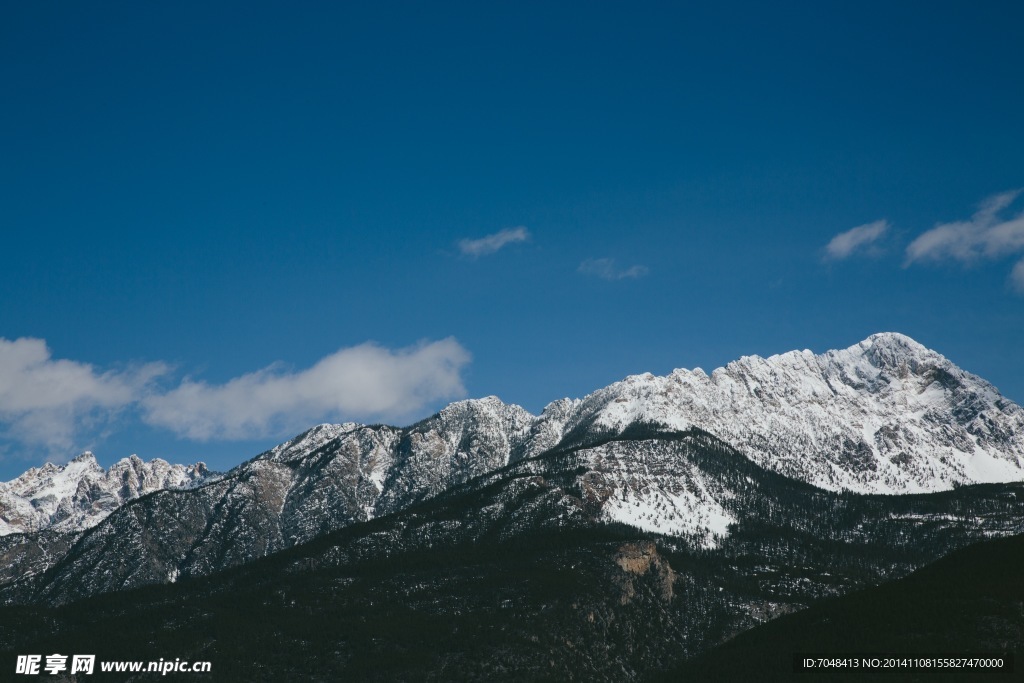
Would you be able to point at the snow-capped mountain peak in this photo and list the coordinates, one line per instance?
(81, 493)
(886, 415)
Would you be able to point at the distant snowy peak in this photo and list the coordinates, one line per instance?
(886, 415)
(80, 494)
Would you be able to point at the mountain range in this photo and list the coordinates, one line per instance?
(639, 526)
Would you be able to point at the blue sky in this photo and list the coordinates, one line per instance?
(225, 222)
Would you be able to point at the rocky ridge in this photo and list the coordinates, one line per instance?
(886, 415)
(81, 494)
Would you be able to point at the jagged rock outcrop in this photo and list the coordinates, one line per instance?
(80, 494)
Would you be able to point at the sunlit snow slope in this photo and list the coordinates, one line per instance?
(886, 415)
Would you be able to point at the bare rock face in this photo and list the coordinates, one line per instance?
(642, 559)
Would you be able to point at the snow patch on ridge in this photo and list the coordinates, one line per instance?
(675, 514)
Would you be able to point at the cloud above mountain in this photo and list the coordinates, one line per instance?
(857, 240)
(62, 405)
(608, 269)
(489, 244)
(988, 235)
(51, 403)
(365, 381)
(1017, 277)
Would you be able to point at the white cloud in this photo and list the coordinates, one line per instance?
(606, 269)
(63, 405)
(359, 382)
(856, 239)
(52, 403)
(1017, 277)
(985, 236)
(492, 243)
